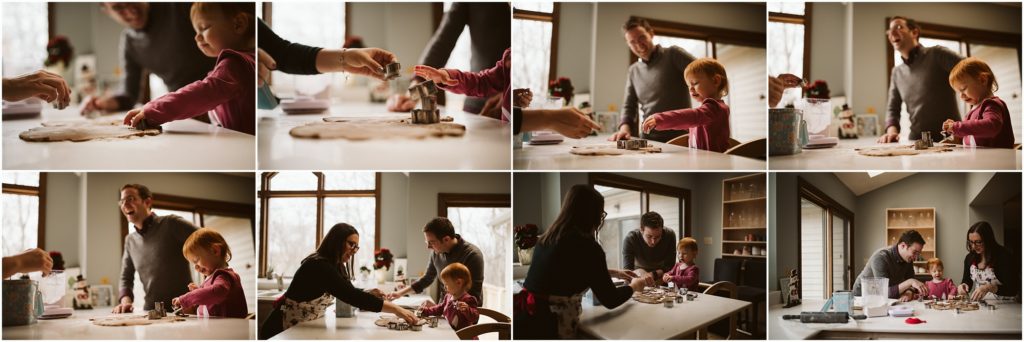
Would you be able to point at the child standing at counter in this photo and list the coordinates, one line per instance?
(685, 273)
(939, 287)
(458, 306)
(226, 31)
(988, 122)
(221, 292)
(709, 123)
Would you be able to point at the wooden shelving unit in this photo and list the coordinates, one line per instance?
(899, 220)
(744, 221)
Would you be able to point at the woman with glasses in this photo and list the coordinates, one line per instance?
(988, 267)
(566, 262)
(320, 279)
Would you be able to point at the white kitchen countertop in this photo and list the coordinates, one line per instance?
(557, 157)
(980, 324)
(486, 144)
(78, 327)
(844, 157)
(361, 327)
(184, 145)
(639, 321)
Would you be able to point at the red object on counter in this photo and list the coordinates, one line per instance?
(915, 320)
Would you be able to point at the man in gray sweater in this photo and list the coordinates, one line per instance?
(159, 38)
(896, 263)
(921, 82)
(654, 82)
(447, 248)
(652, 248)
(153, 248)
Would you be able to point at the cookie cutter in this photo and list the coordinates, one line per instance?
(158, 311)
(393, 325)
(669, 303)
(632, 144)
(925, 141)
(680, 299)
(391, 71)
(416, 327)
(426, 93)
(432, 321)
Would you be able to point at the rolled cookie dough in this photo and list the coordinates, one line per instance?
(902, 150)
(83, 130)
(366, 129)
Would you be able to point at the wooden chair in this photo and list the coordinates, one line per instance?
(504, 331)
(684, 141)
(752, 149)
(717, 289)
(496, 316)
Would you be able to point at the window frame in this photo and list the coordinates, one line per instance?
(265, 194)
(554, 18)
(809, 192)
(964, 35)
(647, 188)
(40, 192)
(806, 20)
(709, 34)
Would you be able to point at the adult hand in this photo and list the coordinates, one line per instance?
(907, 296)
(124, 307)
(568, 121)
(891, 135)
(637, 284)
(947, 126)
(522, 97)
(962, 290)
(626, 275)
(42, 84)
(622, 134)
(407, 315)
(400, 103)
(92, 104)
(30, 260)
(367, 61)
(439, 76)
(134, 116)
(777, 85)
(981, 291)
(917, 286)
(492, 107)
(266, 64)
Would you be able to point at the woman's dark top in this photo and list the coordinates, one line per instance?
(291, 58)
(517, 120)
(1007, 270)
(570, 267)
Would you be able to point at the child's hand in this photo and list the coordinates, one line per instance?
(666, 278)
(947, 126)
(461, 306)
(134, 116)
(176, 302)
(439, 76)
(367, 62)
(649, 124)
(192, 287)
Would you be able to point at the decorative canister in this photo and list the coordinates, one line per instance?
(784, 131)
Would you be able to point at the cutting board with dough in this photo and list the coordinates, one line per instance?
(395, 126)
(83, 130)
(132, 320)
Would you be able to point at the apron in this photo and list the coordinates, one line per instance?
(566, 310)
(295, 312)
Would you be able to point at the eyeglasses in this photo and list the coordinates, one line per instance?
(127, 199)
(352, 245)
(976, 242)
(896, 29)
(603, 215)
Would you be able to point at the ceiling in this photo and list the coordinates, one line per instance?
(861, 182)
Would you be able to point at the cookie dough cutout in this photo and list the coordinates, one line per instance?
(902, 150)
(366, 129)
(83, 130)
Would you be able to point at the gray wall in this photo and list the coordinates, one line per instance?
(575, 39)
(91, 32)
(402, 28)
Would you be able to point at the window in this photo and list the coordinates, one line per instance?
(825, 230)
(741, 53)
(485, 220)
(789, 40)
(26, 31)
(626, 199)
(301, 208)
(311, 23)
(535, 36)
(234, 221)
(24, 211)
(1001, 51)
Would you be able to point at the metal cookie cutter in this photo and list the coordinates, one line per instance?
(391, 70)
(158, 311)
(432, 321)
(925, 141)
(632, 144)
(426, 94)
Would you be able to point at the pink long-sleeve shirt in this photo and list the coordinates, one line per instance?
(937, 289)
(989, 123)
(222, 294)
(486, 83)
(687, 276)
(227, 90)
(708, 124)
(457, 319)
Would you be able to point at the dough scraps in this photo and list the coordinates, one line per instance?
(83, 130)
(609, 150)
(900, 150)
(653, 295)
(132, 320)
(376, 128)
